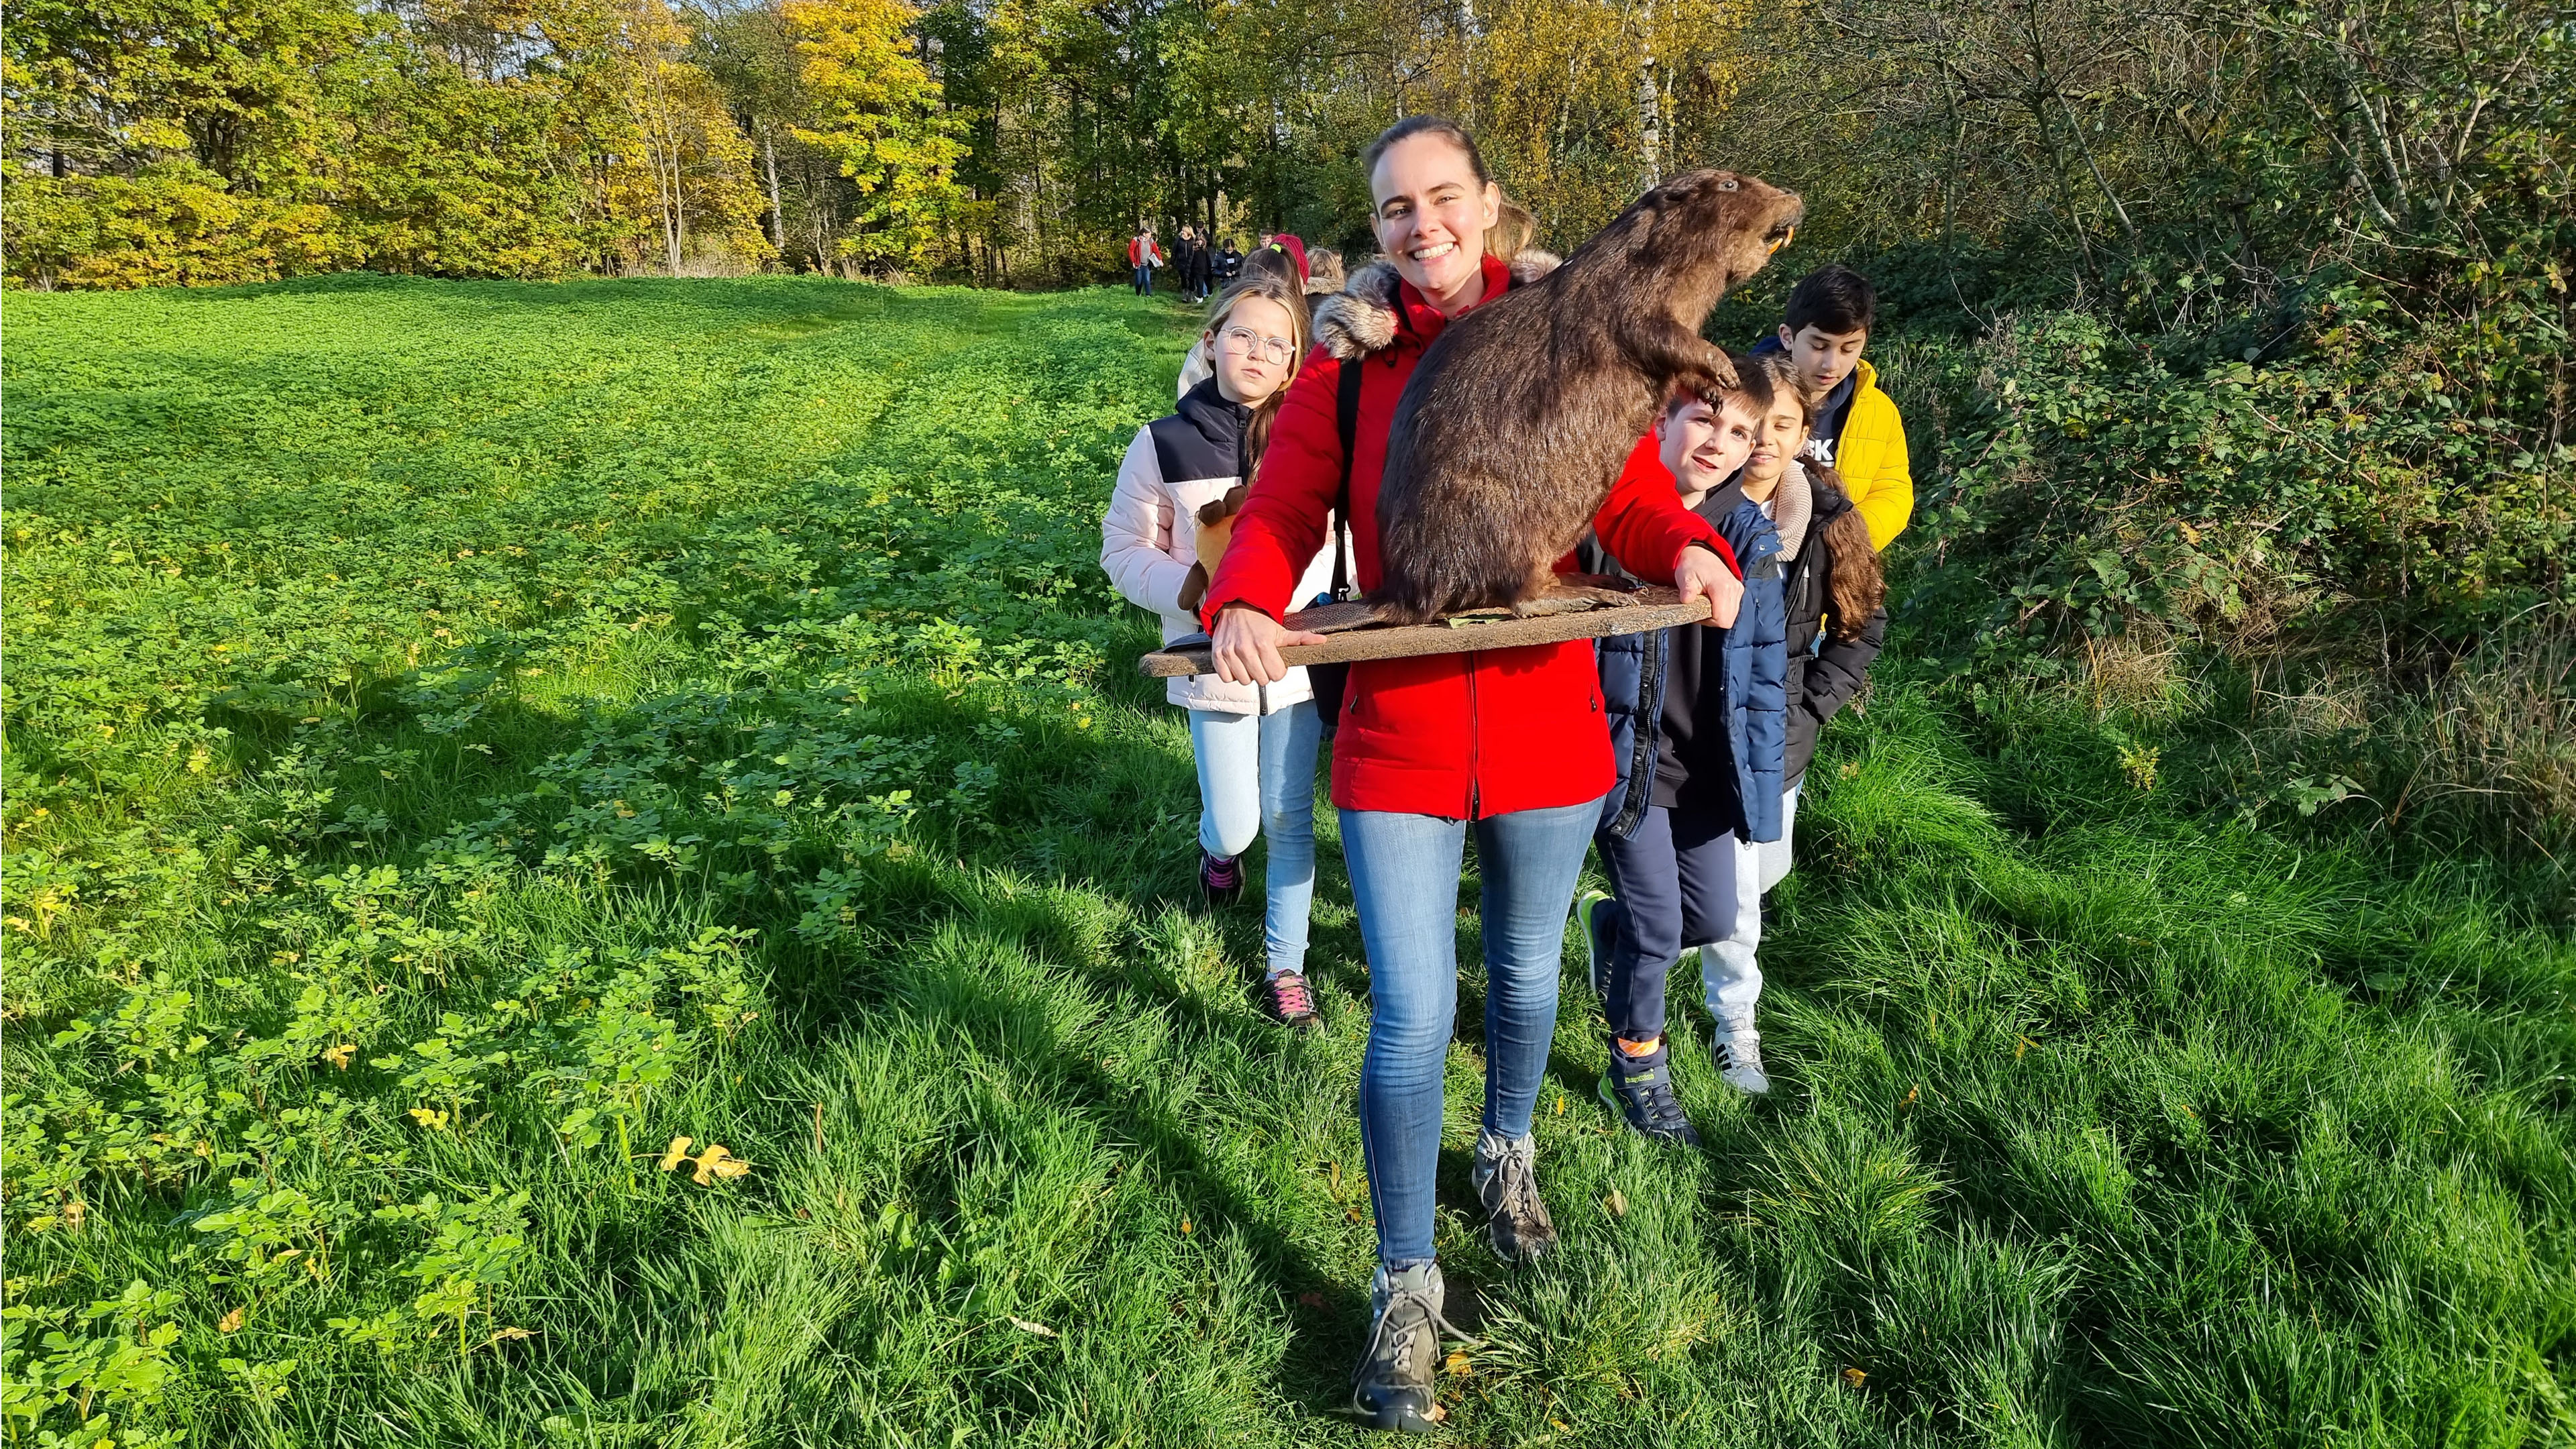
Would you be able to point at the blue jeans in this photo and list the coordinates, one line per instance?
(1257, 776)
(1144, 281)
(1404, 879)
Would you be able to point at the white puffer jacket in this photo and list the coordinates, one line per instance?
(1149, 540)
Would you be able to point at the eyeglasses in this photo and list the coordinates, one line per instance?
(1251, 343)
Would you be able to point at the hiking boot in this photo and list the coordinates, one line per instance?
(1391, 1388)
(1590, 912)
(1221, 877)
(1641, 1090)
(1289, 1000)
(1738, 1050)
(1506, 1182)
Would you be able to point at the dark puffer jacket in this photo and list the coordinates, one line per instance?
(1754, 662)
(1824, 671)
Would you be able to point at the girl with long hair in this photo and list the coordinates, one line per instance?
(1255, 741)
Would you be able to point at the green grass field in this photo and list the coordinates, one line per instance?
(464, 738)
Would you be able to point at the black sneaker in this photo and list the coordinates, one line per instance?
(1391, 1388)
(1641, 1090)
(1221, 876)
(1591, 912)
(1506, 1182)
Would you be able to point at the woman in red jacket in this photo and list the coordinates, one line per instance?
(1508, 742)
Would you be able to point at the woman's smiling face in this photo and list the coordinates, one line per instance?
(1432, 215)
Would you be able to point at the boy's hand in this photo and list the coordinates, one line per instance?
(1700, 571)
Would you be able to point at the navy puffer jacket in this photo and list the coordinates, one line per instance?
(1755, 661)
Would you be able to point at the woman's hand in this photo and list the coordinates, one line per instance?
(1246, 644)
(1700, 571)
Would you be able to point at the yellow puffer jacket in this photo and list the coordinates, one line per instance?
(1870, 455)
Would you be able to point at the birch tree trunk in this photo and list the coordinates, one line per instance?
(1650, 110)
(777, 208)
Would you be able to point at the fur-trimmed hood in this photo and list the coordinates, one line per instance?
(1361, 318)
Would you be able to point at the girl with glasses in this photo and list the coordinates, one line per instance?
(1255, 742)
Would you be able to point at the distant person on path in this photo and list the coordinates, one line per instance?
(1185, 257)
(1858, 433)
(1255, 742)
(1229, 263)
(1144, 256)
(1201, 268)
(1506, 744)
(1696, 841)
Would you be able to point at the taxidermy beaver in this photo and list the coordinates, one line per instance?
(1517, 419)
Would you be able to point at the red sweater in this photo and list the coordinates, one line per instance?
(1461, 736)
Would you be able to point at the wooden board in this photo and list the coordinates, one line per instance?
(1646, 608)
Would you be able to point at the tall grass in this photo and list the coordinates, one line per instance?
(790, 792)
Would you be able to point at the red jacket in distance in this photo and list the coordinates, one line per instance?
(1461, 736)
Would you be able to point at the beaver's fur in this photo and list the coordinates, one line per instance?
(1518, 417)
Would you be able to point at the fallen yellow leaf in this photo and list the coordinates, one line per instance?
(1617, 1202)
(1185, 1225)
(1457, 1363)
(429, 1117)
(1025, 1326)
(75, 1213)
(1853, 1377)
(229, 1322)
(339, 1056)
(678, 1153)
(717, 1162)
(1438, 1413)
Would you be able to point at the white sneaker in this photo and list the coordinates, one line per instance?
(1738, 1050)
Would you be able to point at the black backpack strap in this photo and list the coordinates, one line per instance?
(1346, 414)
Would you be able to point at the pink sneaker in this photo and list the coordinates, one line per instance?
(1221, 877)
(1290, 1001)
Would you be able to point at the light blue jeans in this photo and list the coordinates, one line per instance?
(1404, 879)
(1257, 776)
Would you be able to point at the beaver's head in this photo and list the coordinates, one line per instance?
(1704, 232)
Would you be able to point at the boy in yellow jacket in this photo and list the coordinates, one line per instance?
(1857, 431)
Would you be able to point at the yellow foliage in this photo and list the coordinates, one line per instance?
(683, 168)
(878, 111)
(172, 224)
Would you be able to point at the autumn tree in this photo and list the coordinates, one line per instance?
(875, 107)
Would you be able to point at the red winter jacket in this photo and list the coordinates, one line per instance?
(1461, 736)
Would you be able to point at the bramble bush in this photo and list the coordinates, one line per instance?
(2089, 479)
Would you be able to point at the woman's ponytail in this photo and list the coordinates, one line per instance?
(1514, 232)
